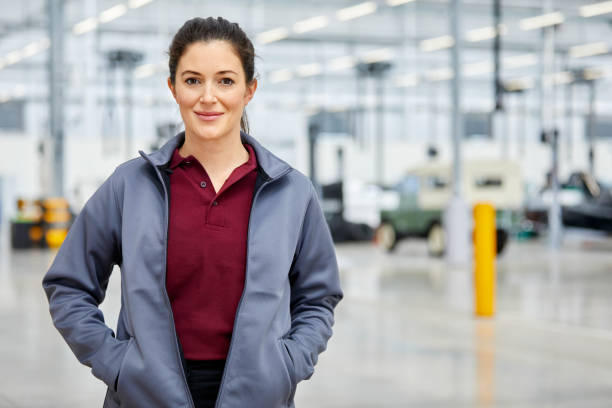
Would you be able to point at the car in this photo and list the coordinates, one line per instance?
(585, 203)
(424, 192)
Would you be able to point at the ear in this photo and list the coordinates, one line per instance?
(172, 90)
(250, 91)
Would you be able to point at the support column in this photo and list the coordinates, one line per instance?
(591, 127)
(456, 217)
(56, 95)
(549, 132)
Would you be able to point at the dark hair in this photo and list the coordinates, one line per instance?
(210, 29)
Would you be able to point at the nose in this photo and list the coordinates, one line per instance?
(208, 95)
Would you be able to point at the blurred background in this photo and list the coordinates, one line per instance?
(406, 115)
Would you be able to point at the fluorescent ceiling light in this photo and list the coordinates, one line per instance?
(13, 57)
(112, 13)
(564, 77)
(19, 91)
(310, 24)
(541, 21)
(394, 3)
(519, 84)
(441, 74)
(138, 3)
(35, 47)
(338, 108)
(311, 110)
(381, 54)
(559, 78)
(588, 50)
(407, 80)
(519, 61)
(359, 10)
(280, 75)
(596, 9)
(309, 69)
(591, 74)
(478, 68)
(341, 63)
(437, 43)
(275, 34)
(485, 33)
(84, 26)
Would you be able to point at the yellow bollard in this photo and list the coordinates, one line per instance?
(484, 259)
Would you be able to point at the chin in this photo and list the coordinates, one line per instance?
(208, 134)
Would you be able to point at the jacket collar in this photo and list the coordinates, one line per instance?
(271, 165)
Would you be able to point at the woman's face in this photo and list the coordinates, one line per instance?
(211, 90)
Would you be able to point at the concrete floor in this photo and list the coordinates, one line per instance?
(405, 335)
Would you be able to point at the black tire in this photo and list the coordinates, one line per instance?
(436, 244)
(386, 236)
(501, 240)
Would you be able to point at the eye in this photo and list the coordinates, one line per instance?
(227, 81)
(191, 81)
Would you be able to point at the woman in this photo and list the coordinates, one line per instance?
(229, 277)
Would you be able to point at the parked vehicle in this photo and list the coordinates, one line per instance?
(423, 194)
(352, 209)
(334, 204)
(585, 203)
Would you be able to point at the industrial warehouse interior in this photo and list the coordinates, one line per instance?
(461, 152)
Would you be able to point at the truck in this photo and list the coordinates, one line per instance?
(424, 192)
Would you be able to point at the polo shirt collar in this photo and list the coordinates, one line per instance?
(270, 164)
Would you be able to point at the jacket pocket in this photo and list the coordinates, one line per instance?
(118, 381)
(290, 367)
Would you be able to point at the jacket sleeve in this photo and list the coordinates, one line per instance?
(315, 291)
(77, 280)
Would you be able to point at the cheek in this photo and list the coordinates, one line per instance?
(238, 100)
(186, 98)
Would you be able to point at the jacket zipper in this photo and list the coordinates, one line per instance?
(246, 276)
(229, 353)
(166, 298)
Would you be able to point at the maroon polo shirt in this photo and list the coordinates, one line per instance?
(207, 237)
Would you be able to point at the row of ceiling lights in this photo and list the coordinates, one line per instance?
(344, 14)
(79, 28)
(428, 45)
(318, 22)
(469, 70)
(439, 43)
(480, 34)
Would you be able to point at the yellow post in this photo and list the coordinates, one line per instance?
(484, 259)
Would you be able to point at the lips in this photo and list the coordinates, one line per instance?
(208, 116)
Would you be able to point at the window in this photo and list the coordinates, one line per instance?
(409, 185)
(435, 182)
(477, 125)
(489, 181)
(11, 115)
(602, 128)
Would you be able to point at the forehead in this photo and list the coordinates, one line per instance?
(210, 56)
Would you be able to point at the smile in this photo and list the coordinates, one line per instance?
(208, 116)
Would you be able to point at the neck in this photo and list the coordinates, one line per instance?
(217, 155)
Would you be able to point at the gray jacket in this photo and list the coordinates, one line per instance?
(284, 317)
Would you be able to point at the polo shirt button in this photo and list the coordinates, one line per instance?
(203, 184)
(187, 163)
(215, 203)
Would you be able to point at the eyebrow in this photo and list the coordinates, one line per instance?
(229, 71)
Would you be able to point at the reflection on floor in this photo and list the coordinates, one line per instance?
(404, 335)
